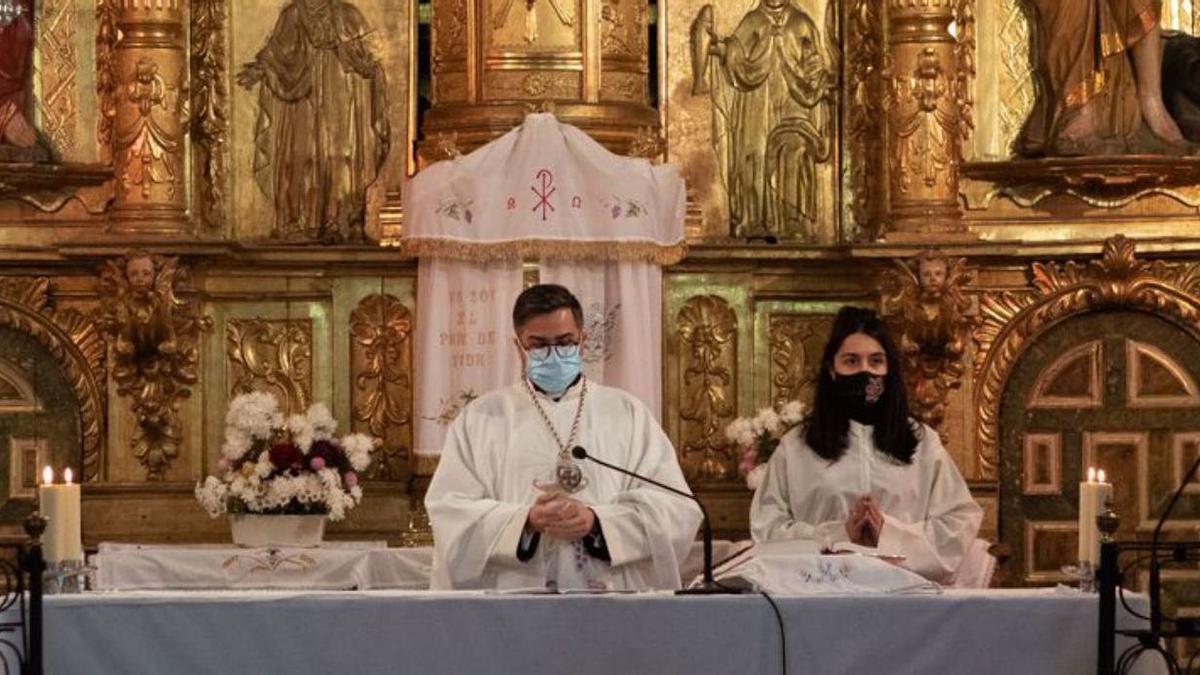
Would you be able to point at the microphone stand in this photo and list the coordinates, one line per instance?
(1155, 600)
(709, 586)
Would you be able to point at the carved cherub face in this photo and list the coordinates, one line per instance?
(140, 273)
(932, 274)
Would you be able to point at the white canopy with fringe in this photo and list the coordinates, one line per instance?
(598, 223)
(546, 190)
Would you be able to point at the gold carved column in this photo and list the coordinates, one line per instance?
(495, 60)
(149, 117)
(924, 91)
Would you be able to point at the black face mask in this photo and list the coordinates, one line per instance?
(860, 395)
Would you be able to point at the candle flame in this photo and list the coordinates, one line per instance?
(67, 475)
(1091, 474)
(47, 475)
(1099, 476)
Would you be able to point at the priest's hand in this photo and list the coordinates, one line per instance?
(548, 509)
(576, 520)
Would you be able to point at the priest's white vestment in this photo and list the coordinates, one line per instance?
(479, 498)
(929, 515)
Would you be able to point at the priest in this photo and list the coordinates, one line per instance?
(512, 509)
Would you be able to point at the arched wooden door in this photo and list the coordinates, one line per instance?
(1113, 389)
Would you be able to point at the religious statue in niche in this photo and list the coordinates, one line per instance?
(562, 10)
(154, 337)
(924, 301)
(1099, 64)
(19, 140)
(772, 91)
(322, 134)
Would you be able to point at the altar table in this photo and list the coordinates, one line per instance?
(255, 633)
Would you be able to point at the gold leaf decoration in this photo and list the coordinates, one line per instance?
(381, 398)
(272, 356)
(707, 330)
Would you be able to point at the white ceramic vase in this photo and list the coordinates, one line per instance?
(256, 530)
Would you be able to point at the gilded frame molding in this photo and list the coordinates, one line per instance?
(1011, 321)
(74, 341)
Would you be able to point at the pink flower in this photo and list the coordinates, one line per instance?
(223, 464)
(746, 466)
(317, 463)
(351, 479)
(750, 454)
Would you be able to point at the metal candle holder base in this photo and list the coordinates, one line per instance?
(65, 577)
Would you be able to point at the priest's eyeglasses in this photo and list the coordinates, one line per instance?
(542, 353)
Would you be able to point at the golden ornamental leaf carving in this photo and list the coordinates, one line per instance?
(273, 356)
(1010, 321)
(148, 146)
(210, 107)
(795, 343)
(381, 396)
(106, 70)
(964, 52)
(707, 331)
(922, 104)
(864, 59)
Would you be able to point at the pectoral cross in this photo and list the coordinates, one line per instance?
(531, 24)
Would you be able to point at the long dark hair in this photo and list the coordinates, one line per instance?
(827, 427)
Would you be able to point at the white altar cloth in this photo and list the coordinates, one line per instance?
(332, 566)
(226, 633)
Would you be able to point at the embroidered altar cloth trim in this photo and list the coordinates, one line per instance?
(332, 566)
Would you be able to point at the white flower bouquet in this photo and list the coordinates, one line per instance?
(758, 437)
(275, 465)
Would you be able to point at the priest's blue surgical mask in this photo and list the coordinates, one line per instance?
(553, 369)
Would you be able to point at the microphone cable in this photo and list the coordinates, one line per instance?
(782, 632)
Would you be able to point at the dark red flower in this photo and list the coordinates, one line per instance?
(285, 455)
(332, 453)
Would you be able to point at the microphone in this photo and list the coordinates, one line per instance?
(709, 586)
(1155, 600)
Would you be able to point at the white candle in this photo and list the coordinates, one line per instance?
(60, 506)
(1093, 494)
(1087, 515)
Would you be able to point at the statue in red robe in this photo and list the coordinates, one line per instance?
(16, 66)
